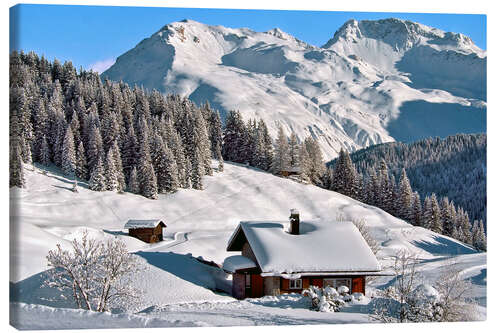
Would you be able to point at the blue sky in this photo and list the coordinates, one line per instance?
(93, 36)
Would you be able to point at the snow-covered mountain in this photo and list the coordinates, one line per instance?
(373, 82)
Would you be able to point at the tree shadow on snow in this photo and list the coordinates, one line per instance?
(444, 246)
(33, 291)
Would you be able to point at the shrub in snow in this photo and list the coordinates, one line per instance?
(343, 290)
(97, 275)
(325, 299)
(446, 300)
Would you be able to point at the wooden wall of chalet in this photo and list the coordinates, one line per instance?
(148, 235)
(238, 288)
(357, 283)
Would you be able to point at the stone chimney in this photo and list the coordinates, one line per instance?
(294, 222)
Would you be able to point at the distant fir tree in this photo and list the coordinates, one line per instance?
(16, 168)
(117, 161)
(234, 135)
(110, 173)
(344, 176)
(133, 183)
(44, 156)
(81, 162)
(281, 160)
(97, 180)
(68, 153)
(417, 215)
(405, 195)
(318, 168)
(435, 223)
(197, 171)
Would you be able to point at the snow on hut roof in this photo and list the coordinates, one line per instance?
(135, 224)
(237, 262)
(325, 247)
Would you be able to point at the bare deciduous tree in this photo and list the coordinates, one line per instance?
(96, 274)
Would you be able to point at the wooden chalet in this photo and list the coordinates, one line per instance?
(290, 171)
(285, 257)
(149, 231)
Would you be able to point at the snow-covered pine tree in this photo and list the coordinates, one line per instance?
(133, 183)
(202, 141)
(405, 194)
(427, 213)
(68, 158)
(372, 187)
(81, 162)
(41, 127)
(318, 167)
(117, 160)
(197, 171)
(446, 217)
(383, 193)
(110, 174)
(97, 180)
(305, 162)
(281, 160)
(294, 150)
(465, 234)
(480, 239)
(233, 137)
(215, 134)
(187, 177)
(145, 172)
(220, 166)
(16, 167)
(129, 151)
(44, 156)
(165, 166)
(417, 218)
(393, 196)
(95, 148)
(344, 176)
(436, 224)
(268, 149)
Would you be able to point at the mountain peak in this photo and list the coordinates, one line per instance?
(396, 32)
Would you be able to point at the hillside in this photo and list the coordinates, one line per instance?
(373, 82)
(454, 167)
(199, 223)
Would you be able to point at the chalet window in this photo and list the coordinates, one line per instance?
(336, 283)
(247, 280)
(296, 284)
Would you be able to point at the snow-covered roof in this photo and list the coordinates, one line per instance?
(321, 246)
(135, 224)
(237, 262)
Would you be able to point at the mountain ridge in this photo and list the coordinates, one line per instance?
(345, 94)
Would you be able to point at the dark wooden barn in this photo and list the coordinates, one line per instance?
(149, 231)
(287, 257)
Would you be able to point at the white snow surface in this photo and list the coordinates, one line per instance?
(180, 290)
(237, 262)
(321, 246)
(350, 93)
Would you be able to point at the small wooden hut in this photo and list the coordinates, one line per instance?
(290, 171)
(149, 231)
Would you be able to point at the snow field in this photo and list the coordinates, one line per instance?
(179, 290)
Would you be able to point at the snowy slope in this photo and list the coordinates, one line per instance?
(349, 93)
(199, 223)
